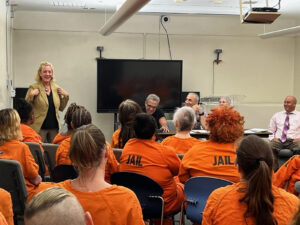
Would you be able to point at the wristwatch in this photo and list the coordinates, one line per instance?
(201, 114)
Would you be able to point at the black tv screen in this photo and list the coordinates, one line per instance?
(120, 79)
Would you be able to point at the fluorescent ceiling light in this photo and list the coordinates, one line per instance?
(291, 30)
(118, 18)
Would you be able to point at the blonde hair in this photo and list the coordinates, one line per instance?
(51, 207)
(40, 69)
(9, 126)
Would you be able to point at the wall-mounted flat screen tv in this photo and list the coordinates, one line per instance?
(120, 79)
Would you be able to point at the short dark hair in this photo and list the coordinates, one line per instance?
(80, 117)
(144, 126)
(23, 108)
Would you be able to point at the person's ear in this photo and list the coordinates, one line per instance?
(88, 219)
(72, 125)
(106, 152)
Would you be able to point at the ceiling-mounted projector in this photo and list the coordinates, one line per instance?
(261, 15)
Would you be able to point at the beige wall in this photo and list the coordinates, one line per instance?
(262, 70)
(4, 76)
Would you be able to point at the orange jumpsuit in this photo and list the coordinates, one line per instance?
(114, 205)
(2, 220)
(288, 174)
(181, 145)
(6, 207)
(210, 159)
(59, 138)
(29, 135)
(62, 157)
(158, 162)
(223, 206)
(115, 139)
(16, 150)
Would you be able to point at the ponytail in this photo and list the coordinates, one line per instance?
(255, 158)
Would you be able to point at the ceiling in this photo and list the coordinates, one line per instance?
(289, 8)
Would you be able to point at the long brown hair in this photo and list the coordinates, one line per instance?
(127, 112)
(255, 159)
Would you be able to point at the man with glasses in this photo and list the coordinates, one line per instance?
(151, 106)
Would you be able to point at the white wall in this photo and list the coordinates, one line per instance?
(4, 62)
(262, 70)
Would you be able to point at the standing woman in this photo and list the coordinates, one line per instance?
(47, 98)
(254, 200)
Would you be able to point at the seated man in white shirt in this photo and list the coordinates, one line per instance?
(285, 128)
(192, 100)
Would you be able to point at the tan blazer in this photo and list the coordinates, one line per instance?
(40, 104)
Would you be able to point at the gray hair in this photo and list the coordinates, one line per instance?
(153, 97)
(196, 96)
(185, 117)
(52, 206)
(228, 100)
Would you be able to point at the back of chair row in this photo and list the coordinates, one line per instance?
(12, 180)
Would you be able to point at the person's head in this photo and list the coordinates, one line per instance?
(88, 148)
(255, 161)
(45, 73)
(191, 99)
(144, 126)
(81, 117)
(225, 124)
(184, 118)
(9, 125)
(290, 103)
(151, 103)
(127, 112)
(24, 110)
(68, 116)
(224, 101)
(55, 206)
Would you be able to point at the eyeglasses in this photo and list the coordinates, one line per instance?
(151, 106)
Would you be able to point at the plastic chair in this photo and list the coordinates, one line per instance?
(148, 191)
(38, 156)
(197, 191)
(50, 156)
(283, 156)
(63, 172)
(12, 180)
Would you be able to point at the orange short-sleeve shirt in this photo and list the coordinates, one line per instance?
(6, 207)
(158, 162)
(113, 205)
(29, 135)
(62, 152)
(181, 145)
(288, 174)
(223, 206)
(59, 138)
(16, 150)
(210, 159)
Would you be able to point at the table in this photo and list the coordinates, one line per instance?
(264, 133)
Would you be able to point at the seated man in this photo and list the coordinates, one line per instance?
(192, 100)
(285, 128)
(56, 206)
(151, 106)
(147, 157)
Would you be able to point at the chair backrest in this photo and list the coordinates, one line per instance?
(118, 153)
(38, 156)
(171, 125)
(50, 156)
(12, 180)
(147, 191)
(197, 191)
(63, 172)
